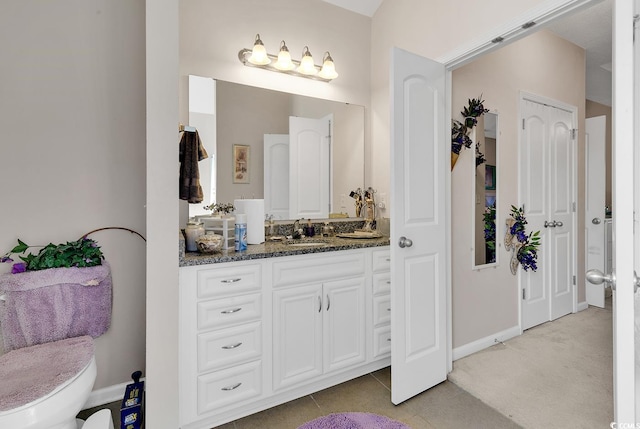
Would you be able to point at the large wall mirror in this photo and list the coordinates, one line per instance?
(485, 191)
(246, 119)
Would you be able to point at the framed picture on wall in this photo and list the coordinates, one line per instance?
(490, 177)
(241, 157)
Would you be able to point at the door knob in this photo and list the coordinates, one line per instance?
(551, 224)
(597, 277)
(405, 242)
(596, 221)
(558, 224)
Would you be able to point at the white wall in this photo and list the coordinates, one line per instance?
(72, 116)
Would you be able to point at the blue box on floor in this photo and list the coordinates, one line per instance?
(131, 410)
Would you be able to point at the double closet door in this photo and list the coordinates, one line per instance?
(548, 193)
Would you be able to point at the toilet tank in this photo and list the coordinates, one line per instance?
(50, 305)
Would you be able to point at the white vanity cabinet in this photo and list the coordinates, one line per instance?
(381, 291)
(258, 333)
(221, 337)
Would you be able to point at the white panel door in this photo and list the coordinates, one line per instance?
(625, 185)
(547, 190)
(594, 219)
(309, 167)
(276, 175)
(419, 164)
(562, 148)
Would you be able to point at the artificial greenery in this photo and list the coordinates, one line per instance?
(489, 217)
(460, 130)
(529, 243)
(84, 252)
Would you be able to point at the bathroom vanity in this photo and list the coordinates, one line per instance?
(277, 322)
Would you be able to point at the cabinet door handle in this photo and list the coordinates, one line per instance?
(319, 303)
(233, 310)
(389, 340)
(230, 280)
(328, 302)
(388, 282)
(235, 386)
(232, 346)
(388, 259)
(388, 309)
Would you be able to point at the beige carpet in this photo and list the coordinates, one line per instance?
(556, 375)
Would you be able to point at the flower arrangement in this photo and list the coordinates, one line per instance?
(220, 208)
(527, 244)
(84, 252)
(460, 130)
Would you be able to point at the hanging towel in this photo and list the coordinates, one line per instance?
(191, 151)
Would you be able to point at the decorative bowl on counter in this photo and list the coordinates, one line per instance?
(209, 243)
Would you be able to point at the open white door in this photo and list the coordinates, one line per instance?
(595, 140)
(418, 225)
(624, 187)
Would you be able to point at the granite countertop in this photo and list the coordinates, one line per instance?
(276, 249)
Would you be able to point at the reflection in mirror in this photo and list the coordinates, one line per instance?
(323, 173)
(485, 186)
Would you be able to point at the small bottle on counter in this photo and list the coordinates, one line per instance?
(193, 230)
(241, 232)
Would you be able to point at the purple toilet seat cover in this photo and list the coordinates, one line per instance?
(30, 373)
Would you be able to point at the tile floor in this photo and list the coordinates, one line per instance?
(445, 406)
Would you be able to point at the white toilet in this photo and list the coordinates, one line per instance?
(48, 327)
(62, 373)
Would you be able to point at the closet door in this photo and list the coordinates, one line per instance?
(547, 190)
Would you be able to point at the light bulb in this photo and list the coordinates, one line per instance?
(307, 66)
(284, 59)
(259, 54)
(328, 68)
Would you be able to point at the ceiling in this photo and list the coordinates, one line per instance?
(589, 29)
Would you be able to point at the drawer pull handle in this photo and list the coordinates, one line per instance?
(231, 280)
(235, 386)
(233, 310)
(232, 346)
(388, 309)
(388, 282)
(388, 259)
(389, 340)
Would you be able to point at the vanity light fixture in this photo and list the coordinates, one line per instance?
(306, 67)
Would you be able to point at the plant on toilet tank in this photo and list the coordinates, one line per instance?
(67, 285)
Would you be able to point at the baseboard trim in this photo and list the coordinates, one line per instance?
(106, 395)
(583, 306)
(486, 342)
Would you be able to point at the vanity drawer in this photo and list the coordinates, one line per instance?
(381, 341)
(381, 283)
(381, 260)
(229, 311)
(229, 386)
(381, 310)
(314, 268)
(216, 282)
(230, 346)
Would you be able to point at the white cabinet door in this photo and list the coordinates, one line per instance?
(344, 323)
(317, 329)
(297, 335)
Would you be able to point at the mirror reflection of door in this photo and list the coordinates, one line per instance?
(485, 185)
